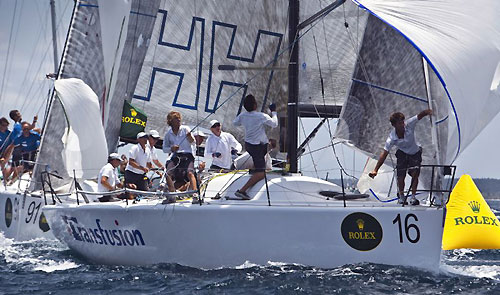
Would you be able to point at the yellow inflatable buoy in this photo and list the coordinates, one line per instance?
(469, 223)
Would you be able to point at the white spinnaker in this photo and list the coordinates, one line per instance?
(85, 149)
(461, 39)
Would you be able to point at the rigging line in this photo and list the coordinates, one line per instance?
(28, 94)
(334, 150)
(309, 147)
(8, 54)
(35, 49)
(324, 103)
(14, 41)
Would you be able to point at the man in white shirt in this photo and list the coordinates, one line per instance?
(139, 163)
(178, 140)
(256, 140)
(108, 178)
(408, 155)
(220, 147)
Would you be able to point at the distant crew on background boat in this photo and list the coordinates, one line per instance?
(408, 155)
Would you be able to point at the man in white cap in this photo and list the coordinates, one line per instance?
(108, 178)
(220, 146)
(139, 163)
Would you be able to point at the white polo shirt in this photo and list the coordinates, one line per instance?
(254, 122)
(141, 156)
(221, 144)
(110, 172)
(180, 139)
(407, 144)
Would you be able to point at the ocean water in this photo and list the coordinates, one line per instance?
(48, 267)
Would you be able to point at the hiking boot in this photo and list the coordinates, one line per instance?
(414, 201)
(242, 195)
(402, 201)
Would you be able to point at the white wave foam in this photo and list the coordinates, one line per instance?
(478, 271)
(31, 255)
(246, 264)
(51, 265)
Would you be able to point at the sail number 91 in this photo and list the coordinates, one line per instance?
(412, 232)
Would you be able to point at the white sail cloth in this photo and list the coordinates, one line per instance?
(461, 40)
(85, 149)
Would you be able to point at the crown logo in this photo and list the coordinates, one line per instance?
(360, 223)
(475, 206)
(133, 112)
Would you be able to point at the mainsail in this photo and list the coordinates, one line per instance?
(105, 48)
(328, 52)
(207, 55)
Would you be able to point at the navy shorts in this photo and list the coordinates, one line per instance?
(258, 153)
(408, 162)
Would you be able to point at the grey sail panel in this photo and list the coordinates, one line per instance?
(330, 48)
(190, 42)
(389, 77)
(141, 21)
(82, 59)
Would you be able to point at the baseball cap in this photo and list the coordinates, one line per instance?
(213, 122)
(114, 156)
(154, 134)
(199, 133)
(141, 135)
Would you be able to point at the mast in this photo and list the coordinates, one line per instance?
(293, 78)
(54, 36)
(293, 85)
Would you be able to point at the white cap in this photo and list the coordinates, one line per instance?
(141, 135)
(154, 134)
(114, 156)
(199, 133)
(213, 122)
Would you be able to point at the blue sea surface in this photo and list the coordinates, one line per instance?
(49, 267)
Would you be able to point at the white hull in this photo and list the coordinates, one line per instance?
(225, 233)
(21, 217)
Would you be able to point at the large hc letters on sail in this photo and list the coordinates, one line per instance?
(184, 69)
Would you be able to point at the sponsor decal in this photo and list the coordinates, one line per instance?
(42, 223)
(475, 218)
(100, 235)
(133, 121)
(361, 231)
(8, 212)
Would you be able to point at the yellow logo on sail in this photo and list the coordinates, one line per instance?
(133, 112)
(469, 223)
